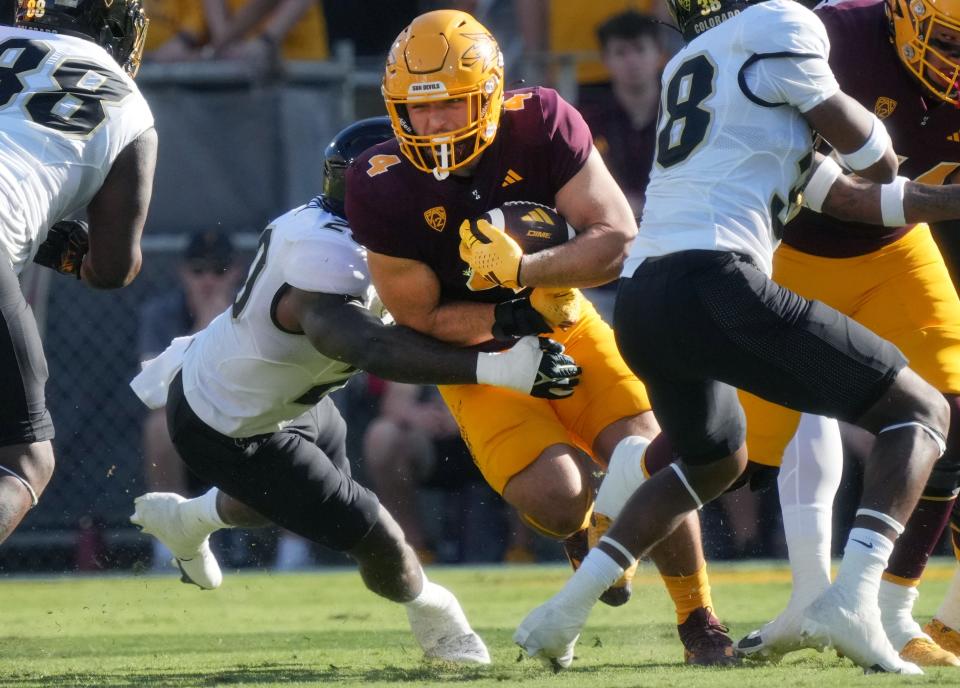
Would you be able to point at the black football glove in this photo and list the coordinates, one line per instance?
(66, 244)
(518, 318)
(557, 375)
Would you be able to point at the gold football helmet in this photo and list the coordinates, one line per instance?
(926, 34)
(444, 55)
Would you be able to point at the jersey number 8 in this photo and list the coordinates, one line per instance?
(685, 122)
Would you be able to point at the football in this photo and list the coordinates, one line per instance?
(532, 225)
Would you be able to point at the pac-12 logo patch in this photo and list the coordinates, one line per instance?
(884, 107)
(381, 163)
(436, 218)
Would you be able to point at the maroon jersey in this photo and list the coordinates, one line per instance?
(925, 133)
(397, 210)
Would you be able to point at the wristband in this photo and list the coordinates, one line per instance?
(872, 150)
(891, 202)
(816, 190)
(516, 368)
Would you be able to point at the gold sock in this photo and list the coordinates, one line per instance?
(689, 592)
(900, 580)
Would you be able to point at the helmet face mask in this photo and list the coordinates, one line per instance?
(444, 56)
(926, 34)
(339, 153)
(118, 26)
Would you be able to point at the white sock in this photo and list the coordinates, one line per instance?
(597, 573)
(949, 611)
(200, 513)
(810, 474)
(807, 530)
(624, 475)
(432, 596)
(435, 613)
(896, 610)
(864, 561)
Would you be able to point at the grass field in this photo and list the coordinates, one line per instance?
(324, 628)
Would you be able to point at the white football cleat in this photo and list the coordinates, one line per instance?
(550, 633)
(776, 638)
(443, 631)
(852, 627)
(158, 514)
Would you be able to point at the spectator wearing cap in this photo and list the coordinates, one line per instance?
(208, 275)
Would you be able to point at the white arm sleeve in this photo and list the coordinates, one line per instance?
(329, 266)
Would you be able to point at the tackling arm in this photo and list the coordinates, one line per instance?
(117, 214)
(854, 199)
(342, 329)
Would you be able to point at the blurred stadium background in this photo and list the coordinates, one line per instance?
(238, 147)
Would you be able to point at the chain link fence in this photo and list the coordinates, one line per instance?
(236, 150)
(90, 338)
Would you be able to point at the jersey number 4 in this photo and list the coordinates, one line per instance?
(75, 104)
(685, 122)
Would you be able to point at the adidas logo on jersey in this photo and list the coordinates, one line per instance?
(955, 137)
(511, 178)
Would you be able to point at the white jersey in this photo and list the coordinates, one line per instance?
(243, 374)
(733, 150)
(67, 109)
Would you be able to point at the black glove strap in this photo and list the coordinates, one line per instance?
(517, 318)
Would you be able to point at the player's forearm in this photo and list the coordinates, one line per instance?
(461, 323)
(592, 258)
(857, 200)
(853, 199)
(404, 355)
(111, 272)
(927, 203)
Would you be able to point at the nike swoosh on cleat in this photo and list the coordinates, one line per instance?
(868, 545)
